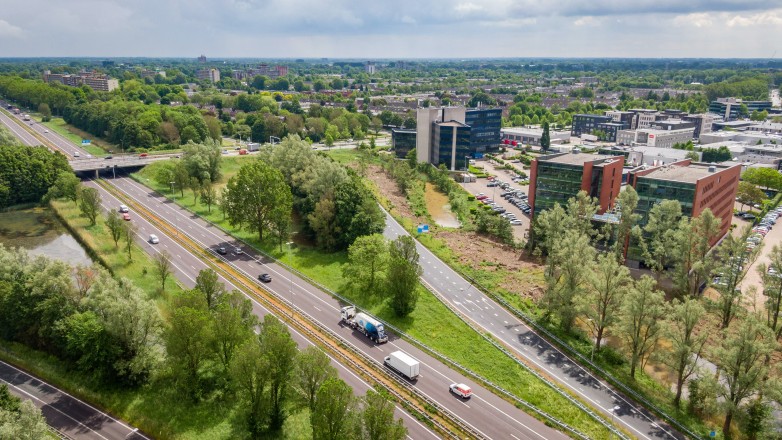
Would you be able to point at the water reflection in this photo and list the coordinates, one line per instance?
(38, 231)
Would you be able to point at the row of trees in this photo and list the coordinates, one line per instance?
(27, 173)
(588, 283)
(19, 419)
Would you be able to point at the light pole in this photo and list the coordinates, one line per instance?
(290, 279)
(172, 198)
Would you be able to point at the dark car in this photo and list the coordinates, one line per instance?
(265, 277)
(222, 251)
(108, 157)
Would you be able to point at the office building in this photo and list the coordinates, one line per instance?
(99, 82)
(211, 75)
(369, 68)
(403, 141)
(651, 137)
(449, 135)
(696, 186)
(626, 118)
(555, 178)
(644, 117)
(673, 124)
(702, 122)
(202, 59)
(604, 127)
(729, 108)
(531, 136)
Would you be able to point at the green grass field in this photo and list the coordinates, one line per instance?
(431, 322)
(97, 147)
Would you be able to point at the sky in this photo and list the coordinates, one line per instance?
(392, 28)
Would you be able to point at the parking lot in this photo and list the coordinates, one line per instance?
(480, 186)
(754, 278)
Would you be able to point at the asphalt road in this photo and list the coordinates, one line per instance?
(186, 268)
(72, 417)
(537, 351)
(487, 413)
(16, 130)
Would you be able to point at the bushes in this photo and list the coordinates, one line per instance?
(27, 173)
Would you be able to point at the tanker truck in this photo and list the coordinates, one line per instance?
(369, 326)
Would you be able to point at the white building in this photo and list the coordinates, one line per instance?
(531, 136)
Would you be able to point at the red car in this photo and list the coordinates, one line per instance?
(142, 155)
(126, 217)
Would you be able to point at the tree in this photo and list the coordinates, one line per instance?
(566, 277)
(639, 324)
(330, 418)
(685, 345)
(66, 185)
(768, 178)
(45, 111)
(8, 401)
(735, 262)
(210, 287)
(202, 161)
(627, 202)
(691, 241)
(279, 350)
(607, 282)
(163, 267)
(545, 138)
(116, 227)
(89, 204)
(376, 124)
(233, 323)
(366, 259)
(250, 373)
(377, 418)
(128, 234)
(187, 341)
(741, 362)
(26, 424)
(402, 276)
(257, 195)
(313, 367)
(772, 290)
(208, 196)
(657, 241)
(749, 194)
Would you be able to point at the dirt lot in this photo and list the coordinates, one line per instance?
(476, 251)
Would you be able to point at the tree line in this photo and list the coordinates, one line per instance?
(588, 284)
(26, 173)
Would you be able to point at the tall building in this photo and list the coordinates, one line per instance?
(604, 125)
(449, 135)
(702, 121)
(202, 59)
(212, 75)
(403, 141)
(729, 108)
(555, 178)
(97, 81)
(370, 68)
(696, 186)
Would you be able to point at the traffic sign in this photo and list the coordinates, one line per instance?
(85, 142)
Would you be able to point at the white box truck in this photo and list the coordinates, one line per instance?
(403, 364)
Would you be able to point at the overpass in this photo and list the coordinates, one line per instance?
(98, 165)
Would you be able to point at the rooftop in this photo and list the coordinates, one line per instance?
(451, 124)
(575, 158)
(686, 174)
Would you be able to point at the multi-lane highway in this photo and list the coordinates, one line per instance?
(186, 267)
(537, 352)
(70, 416)
(485, 412)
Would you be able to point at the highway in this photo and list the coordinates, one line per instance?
(23, 135)
(488, 414)
(186, 268)
(70, 416)
(536, 351)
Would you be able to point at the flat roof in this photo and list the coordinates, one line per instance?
(451, 124)
(575, 158)
(686, 174)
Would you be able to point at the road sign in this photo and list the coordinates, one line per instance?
(85, 142)
(713, 434)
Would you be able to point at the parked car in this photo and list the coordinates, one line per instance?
(516, 222)
(265, 278)
(153, 239)
(747, 216)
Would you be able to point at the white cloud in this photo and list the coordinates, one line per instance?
(763, 18)
(9, 30)
(698, 20)
(587, 21)
(466, 8)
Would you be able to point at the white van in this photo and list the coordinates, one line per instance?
(153, 239)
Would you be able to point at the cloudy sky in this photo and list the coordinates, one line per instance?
(391, 28)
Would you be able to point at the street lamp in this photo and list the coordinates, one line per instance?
(172, 198)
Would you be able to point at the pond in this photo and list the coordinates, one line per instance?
(439, 208)
(39, 231)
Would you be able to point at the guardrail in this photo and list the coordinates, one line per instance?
(318, 336)
(438, 355)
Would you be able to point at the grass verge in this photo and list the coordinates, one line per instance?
(97, 147)
(431, 322)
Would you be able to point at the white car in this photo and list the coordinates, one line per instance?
(461, 390)
(515, 222)
(123, 208)
(153, 239)
(76, 154)
(46, 131)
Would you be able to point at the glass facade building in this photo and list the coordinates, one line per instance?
(403, 141)
(485, 125)
(451, 144)
(556, 183)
